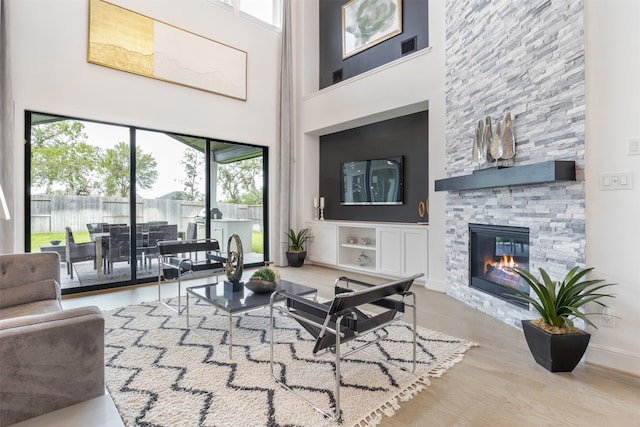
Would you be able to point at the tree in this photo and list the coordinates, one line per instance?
(61, 158)
(115, 169)
(239, 181)
(193, 162)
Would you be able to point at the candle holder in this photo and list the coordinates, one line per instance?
(321, 208)
(315, 208)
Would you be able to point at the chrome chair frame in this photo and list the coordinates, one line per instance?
(168, 258)
(340, 321)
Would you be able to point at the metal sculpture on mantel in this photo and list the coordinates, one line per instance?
(234, 265)
(489, 146)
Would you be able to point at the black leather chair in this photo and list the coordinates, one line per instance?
(76, 252)
(345, 318)
(172, 264)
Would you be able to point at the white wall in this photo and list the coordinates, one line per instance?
(410, 84)
(51, 74)
(612, 34)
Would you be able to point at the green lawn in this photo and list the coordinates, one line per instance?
(38, 239)
(257, 242)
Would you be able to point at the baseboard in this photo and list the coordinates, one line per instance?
(613, 358)
(436, 285)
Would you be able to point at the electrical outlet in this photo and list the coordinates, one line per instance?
(607, 318)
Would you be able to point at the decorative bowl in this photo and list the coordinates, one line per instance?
(260, 286)
(55, 242)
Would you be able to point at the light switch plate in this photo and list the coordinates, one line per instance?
(616, 181)
(634, 147)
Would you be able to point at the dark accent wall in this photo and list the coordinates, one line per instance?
(414, 24)
(403, 136)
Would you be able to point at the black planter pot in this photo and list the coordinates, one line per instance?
(555, 352)
(296, 259)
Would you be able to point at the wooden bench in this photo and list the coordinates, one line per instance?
(177, 258)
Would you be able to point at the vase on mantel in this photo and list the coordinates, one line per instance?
(508, 138)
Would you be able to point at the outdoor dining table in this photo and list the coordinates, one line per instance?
(102, 242)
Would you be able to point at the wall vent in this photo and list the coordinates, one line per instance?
(337, 76)
(409, 45)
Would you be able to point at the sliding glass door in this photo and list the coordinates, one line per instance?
(80, 180)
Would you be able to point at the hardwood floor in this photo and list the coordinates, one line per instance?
(497, 384)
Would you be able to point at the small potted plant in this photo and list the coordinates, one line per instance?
(554, 341)
(297, 253)
(262, 281)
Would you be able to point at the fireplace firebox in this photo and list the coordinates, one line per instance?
(493, 251)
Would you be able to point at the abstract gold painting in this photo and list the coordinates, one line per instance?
(131, 42)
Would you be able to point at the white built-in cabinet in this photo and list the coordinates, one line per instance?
(321, 248)
(389, 249)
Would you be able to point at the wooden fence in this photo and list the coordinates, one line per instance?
(52, 213)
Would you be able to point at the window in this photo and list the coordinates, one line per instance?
(91, 197)
(269, 11)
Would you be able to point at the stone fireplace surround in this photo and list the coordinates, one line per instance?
(526, 58)
(554, 215)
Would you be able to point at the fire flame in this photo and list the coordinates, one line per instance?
(505, 263)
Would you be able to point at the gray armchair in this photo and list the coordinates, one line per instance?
(50, 358)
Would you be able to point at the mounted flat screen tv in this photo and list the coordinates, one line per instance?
(372, 182)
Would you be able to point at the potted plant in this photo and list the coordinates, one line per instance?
(296, 253)
(262, 281)
(553, 340)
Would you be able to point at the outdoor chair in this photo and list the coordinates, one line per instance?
(353, 314)
(150, 223)
(119, 245)
(191, 234)
(149, 247)
(192, 231)
(76, 252)
(95, 227)
(170, 231)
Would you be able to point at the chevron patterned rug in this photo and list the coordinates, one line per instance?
(161, 373)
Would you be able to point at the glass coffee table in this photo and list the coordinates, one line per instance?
(241, 301)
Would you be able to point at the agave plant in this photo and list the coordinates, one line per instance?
(559, 302)
(298, 240)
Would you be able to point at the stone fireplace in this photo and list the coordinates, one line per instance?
(526, 58)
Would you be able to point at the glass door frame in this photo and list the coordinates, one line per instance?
(133, 280)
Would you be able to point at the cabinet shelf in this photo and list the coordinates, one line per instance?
(358, 267)
(362, 247)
